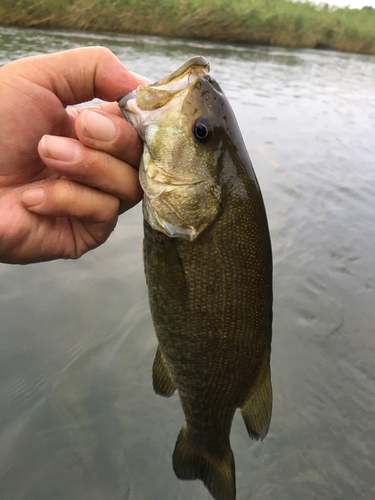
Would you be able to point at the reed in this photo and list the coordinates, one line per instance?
(264, 22)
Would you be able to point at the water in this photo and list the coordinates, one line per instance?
(79, 419)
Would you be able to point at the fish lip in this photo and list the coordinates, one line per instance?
(122, 101)
(197, 61)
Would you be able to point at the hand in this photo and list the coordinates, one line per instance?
(65, 174)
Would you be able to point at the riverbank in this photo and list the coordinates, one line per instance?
(263, 22)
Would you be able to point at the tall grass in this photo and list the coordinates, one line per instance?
(266, 22)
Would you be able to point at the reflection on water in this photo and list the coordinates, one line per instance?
(78, 415)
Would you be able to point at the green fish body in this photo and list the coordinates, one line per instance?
(208, 265)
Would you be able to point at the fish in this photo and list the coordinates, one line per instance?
(208, 266)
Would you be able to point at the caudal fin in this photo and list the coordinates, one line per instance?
(215, 470)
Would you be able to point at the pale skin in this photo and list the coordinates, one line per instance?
(65, 174)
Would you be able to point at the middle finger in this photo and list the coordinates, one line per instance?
(110, 133)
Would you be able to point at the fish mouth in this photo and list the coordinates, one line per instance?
(140, 105)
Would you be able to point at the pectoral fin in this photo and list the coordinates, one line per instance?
(257, 409)
(144, 260)
(161, 376)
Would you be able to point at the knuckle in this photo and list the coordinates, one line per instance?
(104, 51)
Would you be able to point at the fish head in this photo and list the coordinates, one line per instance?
(179, 120)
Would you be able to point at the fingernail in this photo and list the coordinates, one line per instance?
(60, 148)
(32, 197)
(97, 126)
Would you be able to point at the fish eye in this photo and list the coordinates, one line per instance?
(203, 130)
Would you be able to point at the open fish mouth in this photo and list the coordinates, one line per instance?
(141, 105)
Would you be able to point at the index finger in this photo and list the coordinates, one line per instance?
(80, 75)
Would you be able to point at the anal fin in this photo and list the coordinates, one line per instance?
(257, 409)
(161, 376)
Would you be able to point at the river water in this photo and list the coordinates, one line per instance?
(78, 416)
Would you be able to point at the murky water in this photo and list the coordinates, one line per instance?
(78, 416)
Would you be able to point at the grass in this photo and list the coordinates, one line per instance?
(264, 22)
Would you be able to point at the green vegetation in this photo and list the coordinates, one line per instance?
(265, 22)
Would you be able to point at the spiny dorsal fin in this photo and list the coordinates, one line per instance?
(215, 470)
(161, 376)
(257, 409)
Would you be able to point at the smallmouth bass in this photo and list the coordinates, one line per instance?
(208, 264)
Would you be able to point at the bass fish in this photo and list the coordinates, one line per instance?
(208, 265)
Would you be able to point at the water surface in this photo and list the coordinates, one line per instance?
(79, 419)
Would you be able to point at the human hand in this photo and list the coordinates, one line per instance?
(65, 174)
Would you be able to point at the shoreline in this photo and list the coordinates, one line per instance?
(278, 23)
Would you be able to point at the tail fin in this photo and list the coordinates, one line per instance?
(215, 470)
